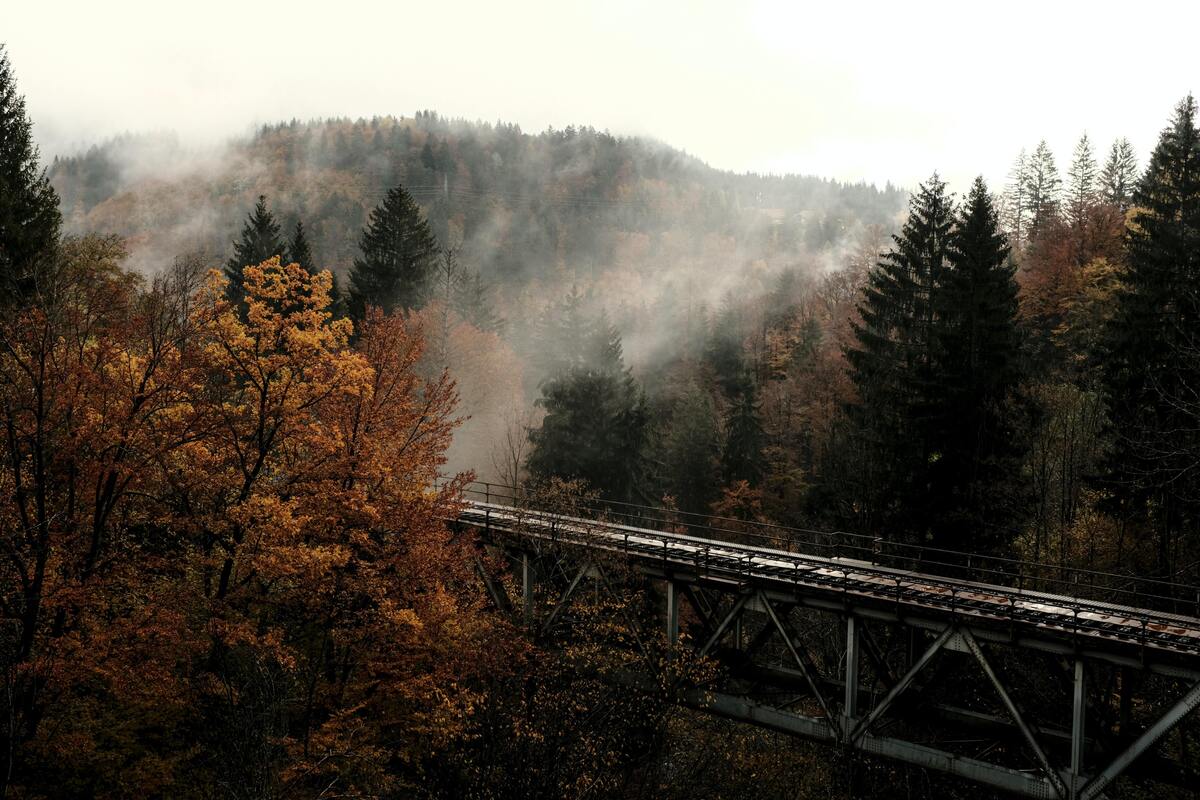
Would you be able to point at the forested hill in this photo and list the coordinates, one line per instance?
(570, 203)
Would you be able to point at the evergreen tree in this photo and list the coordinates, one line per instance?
(892, 365)
(1015, 206)
(1119, 177)
(260, 241)
(595, 427)
(1151, 370)
(690, 451)
(299, 249)
(1043, 188)
(742, 454)
(29, 215)
(398, 256)
(474, 302)
(1082, 183)
(978, 371)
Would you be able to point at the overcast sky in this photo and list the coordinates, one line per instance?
(851, 90)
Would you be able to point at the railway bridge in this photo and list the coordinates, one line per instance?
(1027, 678)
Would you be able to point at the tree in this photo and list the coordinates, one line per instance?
(474, 302)
(742, 453)
(978, 349)
(1043, 188)
(690, 451)
(299, 250)
(1081, 194)
(29, 215)
(1150, 373)
(1119, 177)
(398, 251)
(1015, 206)
(595, 425)
(892, 365)
(260, 241)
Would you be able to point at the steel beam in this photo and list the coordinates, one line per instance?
(725, 623)
(807, 668)
(1078, 729)
(1174, 715)
(850, 703)
(672, 615)
(528, 579)
(905, 681)
(565, 597)
(1026, 731)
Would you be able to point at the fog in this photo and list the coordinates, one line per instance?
(852, 91)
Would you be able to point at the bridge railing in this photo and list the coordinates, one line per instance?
(1097, 585)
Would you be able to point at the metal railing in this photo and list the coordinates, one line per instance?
(1124, 589)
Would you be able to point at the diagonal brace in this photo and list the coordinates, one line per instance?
(1175, 715)
(1055, 779)
(725, 623)
(565, 597)
(903, 683)
(807, 668)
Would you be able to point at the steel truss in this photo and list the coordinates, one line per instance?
(766, 635)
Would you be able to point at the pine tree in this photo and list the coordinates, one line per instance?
(260, 241)
(1082, 183)
(892, 365)
(595, 427)
(299, 249)
(1151, 368)
(1015, 205)
(29, 215)
(690, 450)
(978, 371)
(1119, 177)
(398, 256)
(742, 454)
(474, 302)
(1043, 188)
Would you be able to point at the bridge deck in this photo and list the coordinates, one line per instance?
(782, 571)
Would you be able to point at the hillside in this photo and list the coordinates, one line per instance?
(573, 203)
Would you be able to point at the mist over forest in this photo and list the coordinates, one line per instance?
(420, 457)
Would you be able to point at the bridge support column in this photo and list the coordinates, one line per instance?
(1078, 710)
(850, 705)
(672, 614)
(528, 579)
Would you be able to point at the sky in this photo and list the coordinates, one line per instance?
(875, 91)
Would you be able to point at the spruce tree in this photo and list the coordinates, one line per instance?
(1081, 193)
(1119, 177)
(1015, 205)
(260, 240)
(978, 371)
(398, 256)
(1151, 368)
(892, 365)
(299, 250)
(1043, 188)
(474, 302)
(690, 451)
(742, 454)
(29, 215)
(595, 427)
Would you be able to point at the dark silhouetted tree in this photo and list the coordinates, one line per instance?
(1119, 177)
(260, 240)
(29, 215)
(398, 255)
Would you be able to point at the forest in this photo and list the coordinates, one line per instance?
(244, 390)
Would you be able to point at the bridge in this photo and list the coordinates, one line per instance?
(1029, 678)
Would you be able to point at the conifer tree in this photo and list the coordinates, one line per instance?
(299, 250)
(742, 454)
(978, 371)
(474, 302)
(398, 255)
(1015, 205)
(595, 427)
(260, 240)
(892, 365)
(690, 451)
(1082, 182)
(29, 215)
(1119, 177)
(1151, 369)
(1043, 188)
